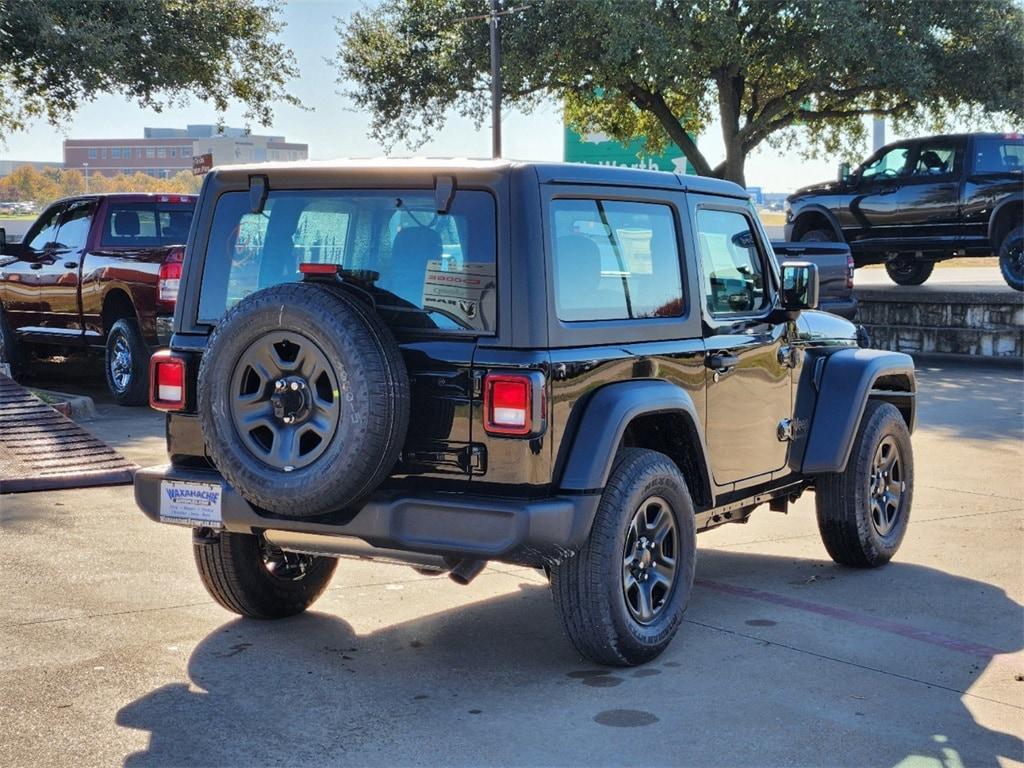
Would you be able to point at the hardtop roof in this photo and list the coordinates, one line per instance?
(547, 172)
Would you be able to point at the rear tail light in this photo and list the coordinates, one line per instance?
(168, 280)
(849, 272)
(166, 381)
(513, 403)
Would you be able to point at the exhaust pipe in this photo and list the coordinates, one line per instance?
(465, 571)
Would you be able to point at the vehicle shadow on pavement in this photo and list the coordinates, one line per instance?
(494, 682)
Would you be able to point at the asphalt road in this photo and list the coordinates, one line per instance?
(113, 653)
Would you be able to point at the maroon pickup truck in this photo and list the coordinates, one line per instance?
(96, 272)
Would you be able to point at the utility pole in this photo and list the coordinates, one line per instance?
(495, 81)
(878, 134)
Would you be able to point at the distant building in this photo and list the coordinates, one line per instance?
(9, 166)
(167, 151)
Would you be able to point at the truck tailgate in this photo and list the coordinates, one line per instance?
(835, 272)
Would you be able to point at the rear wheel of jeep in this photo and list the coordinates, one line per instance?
(622, 597)
(906, 270)
(248, 576)
(863, 511)
(303, 399)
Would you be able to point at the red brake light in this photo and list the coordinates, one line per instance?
(169, 279)
(166, 382)
(310, 268)
(508, 404)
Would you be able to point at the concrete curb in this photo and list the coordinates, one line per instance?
(75, 407)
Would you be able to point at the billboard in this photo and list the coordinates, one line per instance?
(600, 149)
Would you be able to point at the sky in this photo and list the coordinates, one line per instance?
(334, 128)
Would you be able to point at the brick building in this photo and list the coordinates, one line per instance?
(167, 151)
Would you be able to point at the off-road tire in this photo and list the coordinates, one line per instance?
(907, 271)
(10, 350)
(587, 589)
(1011, 258)
(125, 335)
(842, 498)
(232, 568)
(373, 396)
(818, 236)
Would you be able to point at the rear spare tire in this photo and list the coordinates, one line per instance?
(303, 399)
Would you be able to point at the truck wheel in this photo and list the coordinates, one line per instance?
(127, 364)
(817, 236)
(303, 399)
(863, 511)
(622, 597)
(905, 270)
(1011, 258)
(10, 351)
(247, 576)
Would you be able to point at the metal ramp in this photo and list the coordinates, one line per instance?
(40, 449)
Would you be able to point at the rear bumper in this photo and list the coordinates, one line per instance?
(531, 532)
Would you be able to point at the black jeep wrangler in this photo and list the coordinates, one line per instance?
(920, 201)
(570, 367)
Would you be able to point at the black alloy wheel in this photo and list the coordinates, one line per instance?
(649, 571)
(1011, 258)
(906, 270)
(887, 486)
(285, 400)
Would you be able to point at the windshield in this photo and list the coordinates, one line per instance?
(424, 270)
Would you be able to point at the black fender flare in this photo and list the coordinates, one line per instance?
(846, 382)
(1016, 198)
(822, 210)
(606, 414)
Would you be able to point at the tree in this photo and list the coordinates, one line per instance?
(56, 54)
(773, 71)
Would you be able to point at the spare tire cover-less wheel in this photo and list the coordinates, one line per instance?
(303, 399)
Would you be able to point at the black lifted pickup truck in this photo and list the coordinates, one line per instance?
(917, 202)
(571, 367)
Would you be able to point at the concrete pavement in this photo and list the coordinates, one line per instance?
(113, 653)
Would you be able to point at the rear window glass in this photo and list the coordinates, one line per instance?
(998, 155)
(145, 225)
(425, 270)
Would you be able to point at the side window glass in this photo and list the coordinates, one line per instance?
(892, 163)
(734, 278)
(998, 155)
(615, 260)
(74, 227)
(935, 160)
(46, 231)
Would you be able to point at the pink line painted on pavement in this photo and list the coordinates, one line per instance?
(892, 627)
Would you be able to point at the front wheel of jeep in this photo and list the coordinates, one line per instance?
(622, 597)
(248, 576)
(863, 511)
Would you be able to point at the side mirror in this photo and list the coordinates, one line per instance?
(844, 173)
(799, 286)
(3, 239)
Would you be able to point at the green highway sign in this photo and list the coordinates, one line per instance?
(599, 149)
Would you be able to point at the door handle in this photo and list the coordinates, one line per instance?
(722, 362)
(888, 190)
(70, 264)
(36, 265)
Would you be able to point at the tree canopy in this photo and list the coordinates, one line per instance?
(56, 54)
(43, 186)
(772, 71)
